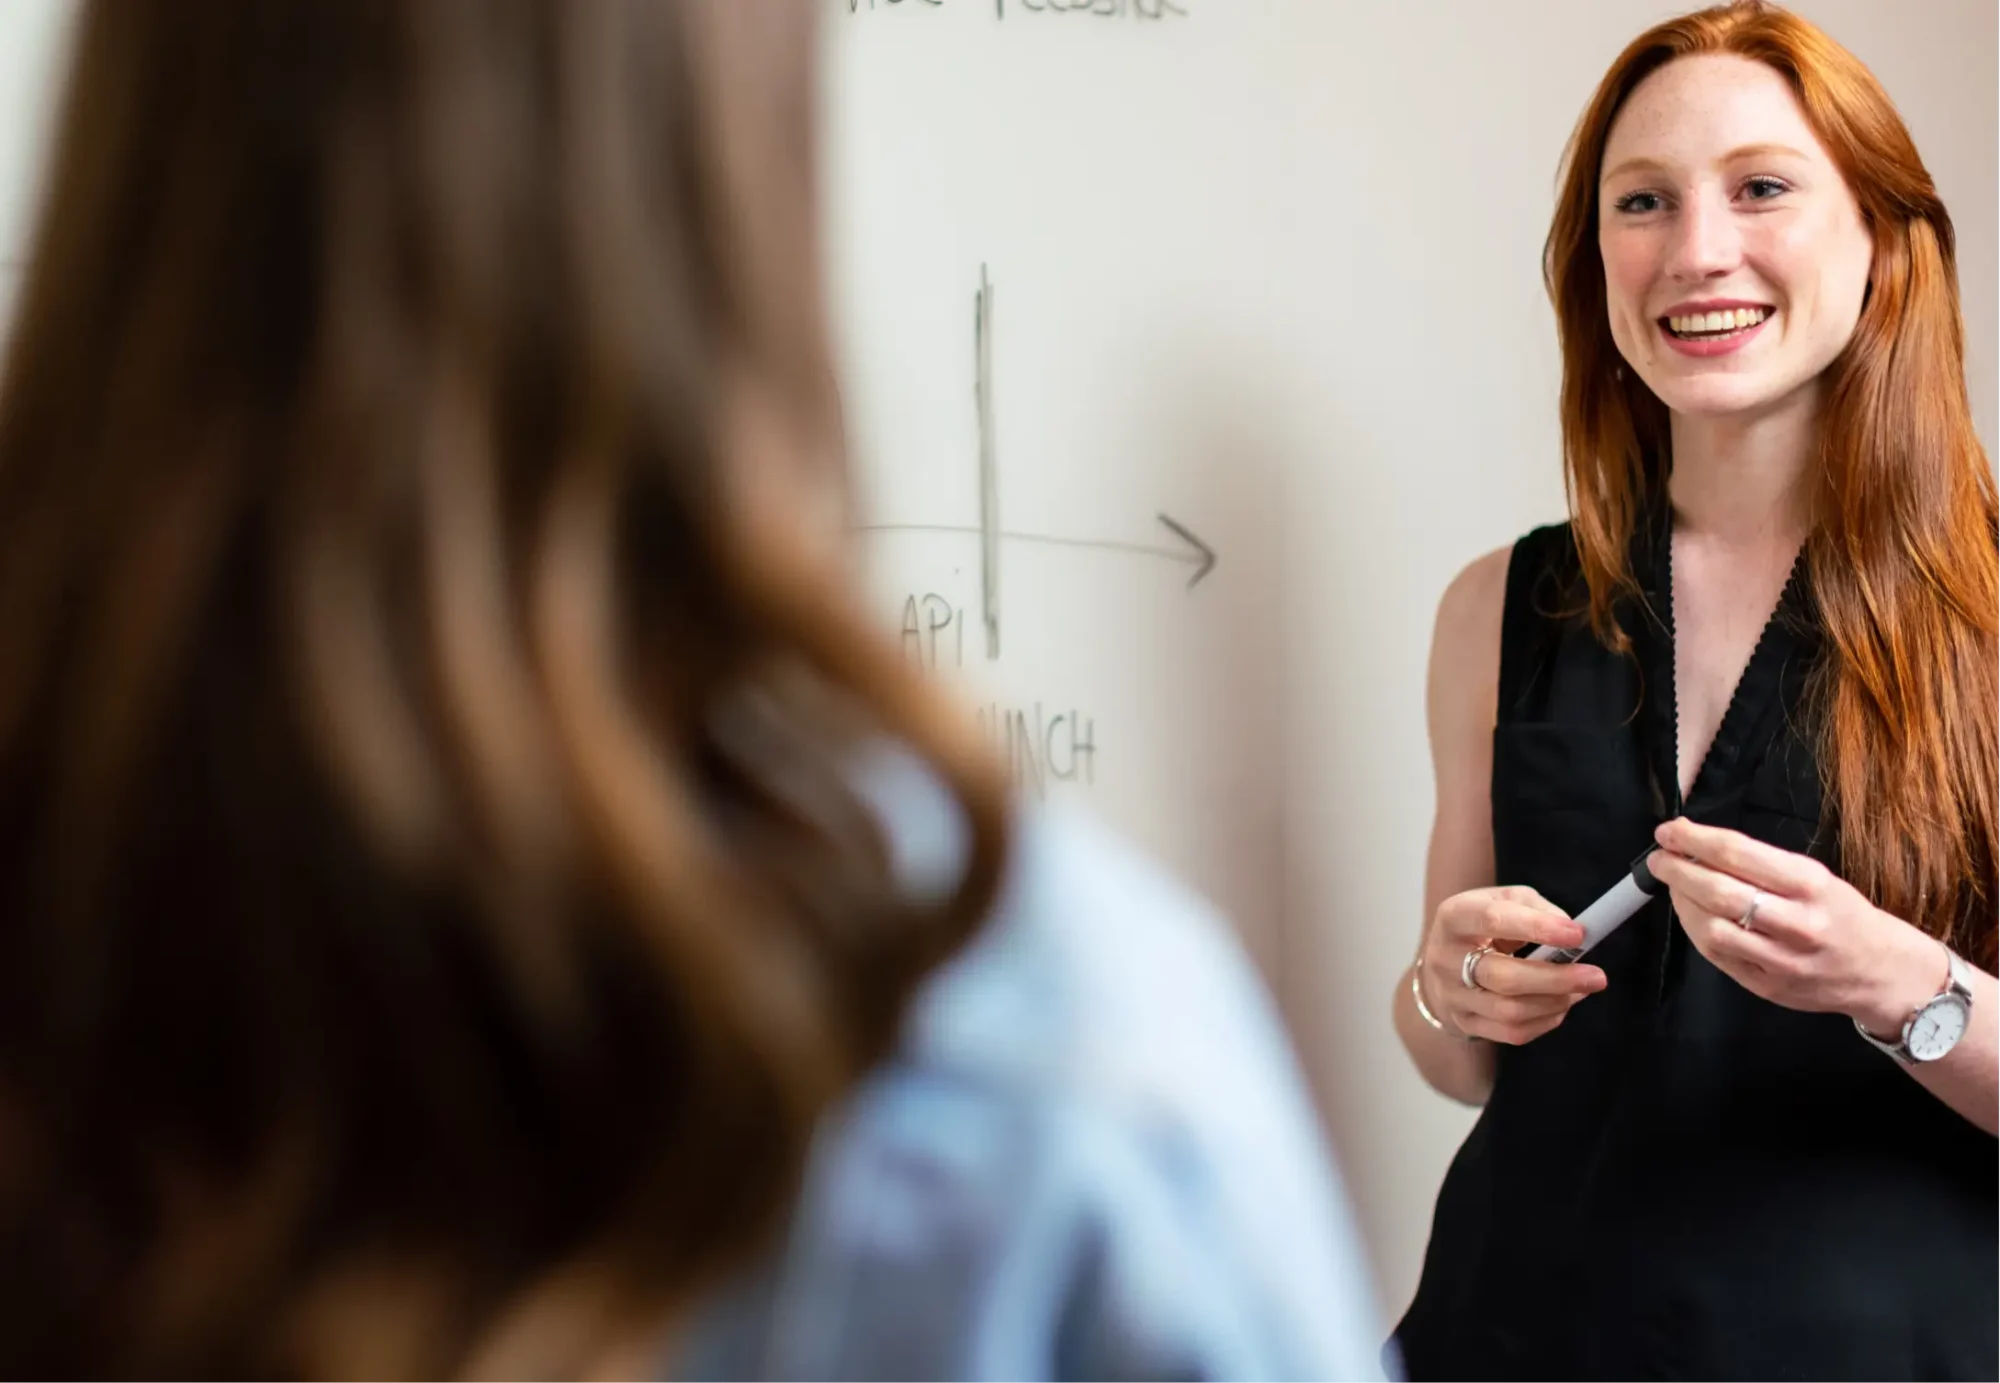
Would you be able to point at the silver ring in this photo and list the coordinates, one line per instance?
(1749, 917)
(1468, 969)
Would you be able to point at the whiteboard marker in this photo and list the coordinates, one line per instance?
(1604, 916)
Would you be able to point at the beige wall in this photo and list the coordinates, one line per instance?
(1434, 438)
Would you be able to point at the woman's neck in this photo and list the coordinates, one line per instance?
(1746, 480)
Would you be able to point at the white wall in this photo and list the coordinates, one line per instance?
(1426, 139)
(30, 36)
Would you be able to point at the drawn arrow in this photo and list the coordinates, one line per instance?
(989, 531)
(1192, 549)
(1203, 555)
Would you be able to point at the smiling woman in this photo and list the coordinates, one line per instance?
(1765, 642)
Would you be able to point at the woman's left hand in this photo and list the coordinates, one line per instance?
(1813, 942)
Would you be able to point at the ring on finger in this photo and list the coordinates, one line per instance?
(1748, 921)
(1468, 969)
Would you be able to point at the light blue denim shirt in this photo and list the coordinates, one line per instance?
(1092, 1157)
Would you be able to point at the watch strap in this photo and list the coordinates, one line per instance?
(1957, 984)
(1960, 980)
(1899, 1049)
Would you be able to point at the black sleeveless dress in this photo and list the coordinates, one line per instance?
(1683, 1180)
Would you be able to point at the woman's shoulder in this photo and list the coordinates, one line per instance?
(1121, 963)
(1546, 551)
(1112, 997)
(1482, 584)
(1096, 968)
(1468, 613)
(1536, 573)
(1092, 1155)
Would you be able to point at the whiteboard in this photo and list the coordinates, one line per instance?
(1050, 307)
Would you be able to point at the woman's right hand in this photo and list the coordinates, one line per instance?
(1516, 1001)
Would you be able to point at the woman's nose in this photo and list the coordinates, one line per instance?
(1707, 242)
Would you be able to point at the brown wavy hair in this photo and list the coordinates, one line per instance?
(1902, 555)
(436, 905)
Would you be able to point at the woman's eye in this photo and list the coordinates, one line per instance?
(1763, 189)
(1639, 203)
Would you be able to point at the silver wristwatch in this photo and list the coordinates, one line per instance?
(1937, 1024)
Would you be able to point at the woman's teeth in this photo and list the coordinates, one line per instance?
(1704, 326)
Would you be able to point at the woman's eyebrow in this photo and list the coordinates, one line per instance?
(1741, 152)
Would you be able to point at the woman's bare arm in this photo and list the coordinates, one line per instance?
(1461, 696)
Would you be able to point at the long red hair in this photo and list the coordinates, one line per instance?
(1903, 553)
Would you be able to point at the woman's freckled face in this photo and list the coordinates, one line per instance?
(1736, 259)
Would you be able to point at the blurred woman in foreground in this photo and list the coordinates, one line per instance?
(476, 893)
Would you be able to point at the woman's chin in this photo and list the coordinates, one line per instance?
(1718, 395)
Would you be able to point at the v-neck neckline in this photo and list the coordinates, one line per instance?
(1756, 686)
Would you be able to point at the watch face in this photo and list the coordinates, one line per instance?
(1938, 1028)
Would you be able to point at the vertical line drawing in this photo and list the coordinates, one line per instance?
(989, 477)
